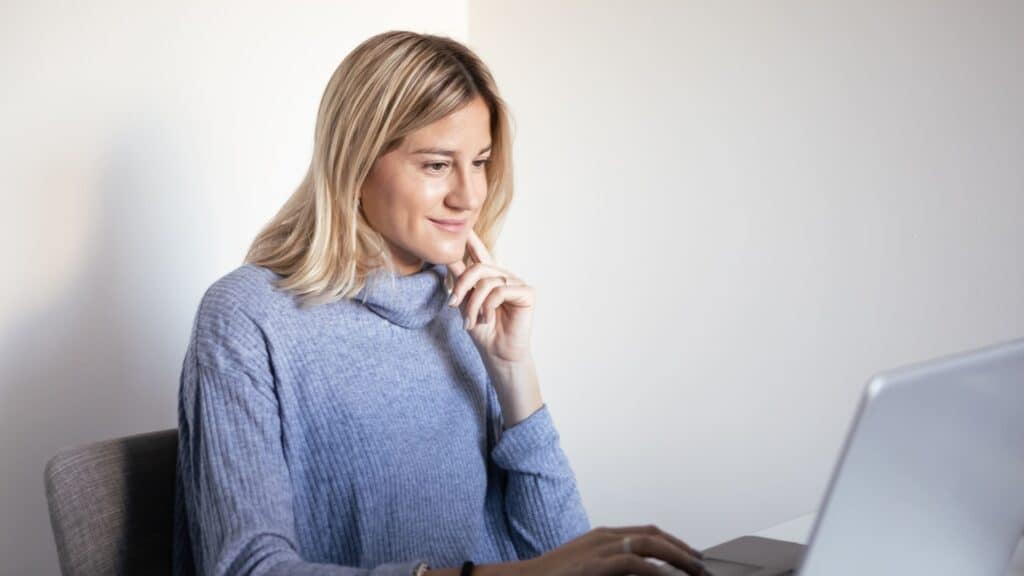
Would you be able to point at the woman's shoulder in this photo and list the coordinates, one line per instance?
(248, 299)
(228, 330)
(250, 286)
(247, 293)
(233, 314)
(247, 284)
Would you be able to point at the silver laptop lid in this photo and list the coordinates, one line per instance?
(931, 476)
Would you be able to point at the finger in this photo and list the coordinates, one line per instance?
(520, 296)
(625, 564)
(477, 248)
(457, 268)
(652, 529)
(468, 279)
(658, 547)
(482, 289)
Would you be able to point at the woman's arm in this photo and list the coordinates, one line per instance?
(518, 389)
(236, 484)
(235, 479)
(542, 502)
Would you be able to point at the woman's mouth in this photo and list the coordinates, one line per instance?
(449, 225)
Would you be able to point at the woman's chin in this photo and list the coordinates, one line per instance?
(445, 256)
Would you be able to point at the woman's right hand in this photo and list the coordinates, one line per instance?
(600, 552)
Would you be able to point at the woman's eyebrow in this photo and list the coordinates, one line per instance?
(443, 152)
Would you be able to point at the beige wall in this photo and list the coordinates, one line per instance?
(735, 212)
(143, 145)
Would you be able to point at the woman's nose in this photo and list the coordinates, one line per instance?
(464, 192)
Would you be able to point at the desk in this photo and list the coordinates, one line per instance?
(799, 530)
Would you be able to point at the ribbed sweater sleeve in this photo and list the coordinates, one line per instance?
(237, 487)
(542, 501)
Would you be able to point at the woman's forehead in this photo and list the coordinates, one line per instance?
(466, 131)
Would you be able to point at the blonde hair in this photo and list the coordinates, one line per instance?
(390, 85)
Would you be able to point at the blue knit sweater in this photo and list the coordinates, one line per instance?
(360, 437)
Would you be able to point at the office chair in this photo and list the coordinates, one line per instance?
(112, 505)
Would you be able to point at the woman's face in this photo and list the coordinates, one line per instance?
(437, 174)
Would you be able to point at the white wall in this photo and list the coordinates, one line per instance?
(735, 212)
(142, 146)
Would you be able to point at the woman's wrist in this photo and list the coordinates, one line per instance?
(503, 569)
(518, 389)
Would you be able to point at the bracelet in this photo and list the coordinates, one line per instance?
(467, 568)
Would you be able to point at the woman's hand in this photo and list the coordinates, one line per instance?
(498, 311)
(602, 552)
(497, 305)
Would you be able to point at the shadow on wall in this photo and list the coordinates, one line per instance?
(102, 359)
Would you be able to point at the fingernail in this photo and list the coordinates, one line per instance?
(667, 569)
(451, 301)
(466, 324)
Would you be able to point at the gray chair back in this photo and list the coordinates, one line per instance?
(112, 505)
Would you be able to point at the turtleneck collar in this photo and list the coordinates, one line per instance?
(409, 301)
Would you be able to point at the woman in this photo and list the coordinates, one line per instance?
(338, 412)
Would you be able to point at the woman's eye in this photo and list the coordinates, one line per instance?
(439, 166)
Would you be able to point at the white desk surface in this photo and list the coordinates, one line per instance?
(799, 530)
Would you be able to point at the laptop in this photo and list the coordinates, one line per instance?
(930, 479)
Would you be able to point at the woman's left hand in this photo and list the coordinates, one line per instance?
(497, 306)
